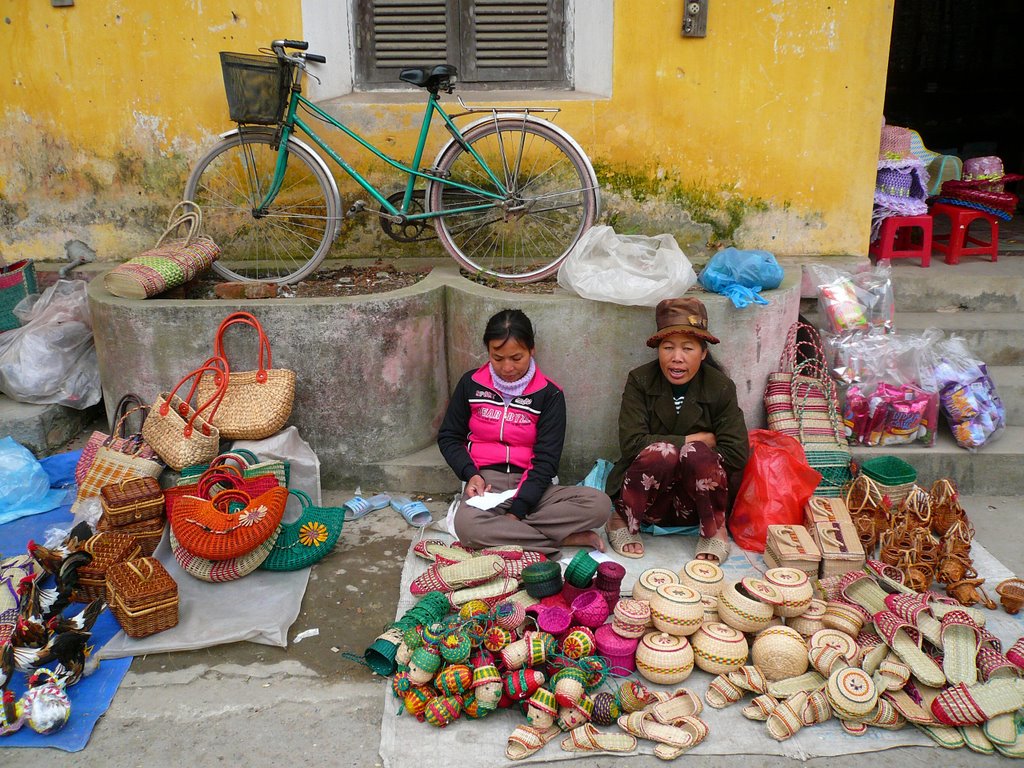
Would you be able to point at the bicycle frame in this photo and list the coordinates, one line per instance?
(294, 121)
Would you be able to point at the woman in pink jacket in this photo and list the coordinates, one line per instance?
(504, 429)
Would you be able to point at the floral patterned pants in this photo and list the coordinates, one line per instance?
(670, 486)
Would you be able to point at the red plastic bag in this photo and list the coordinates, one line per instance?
(777, 482)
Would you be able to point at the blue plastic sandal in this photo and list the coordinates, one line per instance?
(414, 512)
(359, 507)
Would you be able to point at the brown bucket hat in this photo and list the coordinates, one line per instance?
(685, 315)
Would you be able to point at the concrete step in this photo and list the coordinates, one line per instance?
(994, 470)
(997, 338)
(424, 471)
(43, 429)
(1009, 381)
(972, 285)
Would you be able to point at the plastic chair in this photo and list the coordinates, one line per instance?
(959, 242)
(896, 239)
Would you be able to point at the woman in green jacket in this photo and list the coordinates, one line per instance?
(682, 437)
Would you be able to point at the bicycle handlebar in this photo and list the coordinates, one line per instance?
(278, 47)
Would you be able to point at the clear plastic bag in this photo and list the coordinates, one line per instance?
(52, 357)
(742, 275)
(849, 302)
(626, 269)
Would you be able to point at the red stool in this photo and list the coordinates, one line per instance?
(958, 242)
(896, 241)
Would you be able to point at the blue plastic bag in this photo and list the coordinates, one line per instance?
(741, 275)
(24, 484)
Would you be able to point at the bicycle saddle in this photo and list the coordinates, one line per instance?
(426, 77)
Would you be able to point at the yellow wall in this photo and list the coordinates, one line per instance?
(773, 117)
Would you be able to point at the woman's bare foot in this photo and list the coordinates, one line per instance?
(722, 536)
(617, 522)
(584, 539)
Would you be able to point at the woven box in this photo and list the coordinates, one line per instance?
(142, 596)
(791, 546)
(147, 532)
(133, 500)
(820, 509)
(106, 549)
(840, 547)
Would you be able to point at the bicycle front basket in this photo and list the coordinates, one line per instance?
(256, 87)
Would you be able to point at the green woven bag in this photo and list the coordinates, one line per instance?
(308, 539)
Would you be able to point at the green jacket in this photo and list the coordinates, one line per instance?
(648, 415)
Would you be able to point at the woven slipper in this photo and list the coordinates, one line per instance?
(905, 641)
(889, 577)
(710, 545)
(760, 708)
(438, 552)
(415, 513)
(1016, 749)
(491, 592)
(806, 683)
(944, 736)
(1016, 654)
(992, 664)
(859, 589)
(359, 507)
(587, 738)
(694, 726)
(909, 704)
(448, 578)
(1001, 730)
(976, 740)
(749, 678)
(619, 538)
(681, 703)
(817, 709)
(972, 705)
(825, 659)
(787, 718)
(685, 734)
(961, 639)
(891, 675)
(916, 613)
(722, 692)
(526, 740)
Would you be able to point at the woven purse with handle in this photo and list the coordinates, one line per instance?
(213, 530)
(257, 403)
(308, 539)
(17, 281)
(117, 440)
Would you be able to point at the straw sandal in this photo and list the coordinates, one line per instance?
(722, 692)
(438, 552)
(961, 639)
(976, 740)
(587, 738)
(859, 589)
(905, 640)
(1001, 730)
(620, 537)
(787, 718)
(817, 709)
(526, 740)
(711, 545)
(760, 708)
(913, 611)
(1016, 749)
(682, 735)
(448, 578)
(680, 703)
(1016, 654)
(943, 735)
(972, 705)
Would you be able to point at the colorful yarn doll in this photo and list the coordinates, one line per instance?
(487, 687)
(542, 709)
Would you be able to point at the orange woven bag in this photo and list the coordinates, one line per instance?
(210, 530)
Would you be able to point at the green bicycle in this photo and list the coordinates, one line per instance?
(508, 195)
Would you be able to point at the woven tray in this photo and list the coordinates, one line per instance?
(132, 500)
(106, 550)
(142, 596)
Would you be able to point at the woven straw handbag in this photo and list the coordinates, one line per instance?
(218, 571)
(170, 263)
(800, 401)
(180, 434)
(217, 529)
(307, 540)
(17, 281)
(246, 461)
(257, 403)
(110, 466)
(215, 480)
(117, 440)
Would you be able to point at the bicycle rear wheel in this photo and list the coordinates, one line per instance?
(286, 242)
(549, 199)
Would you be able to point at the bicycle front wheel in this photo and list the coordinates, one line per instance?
(285, 242)
(548, 199)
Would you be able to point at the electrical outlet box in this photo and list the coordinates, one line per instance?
(695, 18)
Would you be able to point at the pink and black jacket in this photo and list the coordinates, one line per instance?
(480, 431)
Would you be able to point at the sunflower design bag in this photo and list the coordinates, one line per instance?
(308, 539)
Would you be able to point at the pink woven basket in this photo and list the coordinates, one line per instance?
(554, 620)
(619, 651)
(590, 609)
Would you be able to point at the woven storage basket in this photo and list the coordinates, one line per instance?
(590, 609)
(147, 533)
(843, 617)
(142, 596)
(791, 546)
(1011, 594)
(704, 576)
(738, 608)
(631, 617)
(647, 585)
(794, 586)
(609, 576)
(810, 621)
(895, 477)
(132, 500)
(580, 570)
(217, 571)
(841, 548)
(618, 650)
(719, 649)
(676, 609)
(852, 693)
(106, 550)
(819, 509)
(17, 281)
(710, 605)
(663, 658)
(780, 653)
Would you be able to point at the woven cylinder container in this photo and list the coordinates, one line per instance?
(794, 586)
(631, 617)
(738, 608)
(719, 649)
(647, 585)
(842, 617)
(710, 605)
(780, 653)
(851, 692)
(618, 650)
(590, 609)
(543, 579)
(581, 569)
(677, 610)
(609, 576)
(704, 576)
(663, 658)
(810, 621)
(833, 638)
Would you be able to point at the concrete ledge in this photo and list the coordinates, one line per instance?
(374, 372)
(42, 428)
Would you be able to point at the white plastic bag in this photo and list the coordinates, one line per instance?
(304, 472)
(52, 357)
(626, 269)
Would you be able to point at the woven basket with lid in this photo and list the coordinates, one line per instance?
(780, 653)
(748, 605)
(647, 585)
(142, 596)
(147, 533)
(851, 692)
(631, 617)
(719, 649)
(704, 576)
(794, 586)
(133, 500)
(677, 610)
(106, 550)
(810, 621)
(663, 658)
(833, 638)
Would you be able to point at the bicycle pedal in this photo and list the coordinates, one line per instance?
(357, 207)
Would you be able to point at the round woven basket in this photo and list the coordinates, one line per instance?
(738, 608)
(719, 649)
(843, 617)
(647, 585)
(581, 569)
(578, 643)
(710, 605)
(631, 617)
(780, 653)
(555, 620)
(590, 609)
(704, 576)
(618, 650)
(794, 586)
(833, 638)
(609, 576)
(851, 692)
(677, 610)
(810, 621)
(663, 658)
